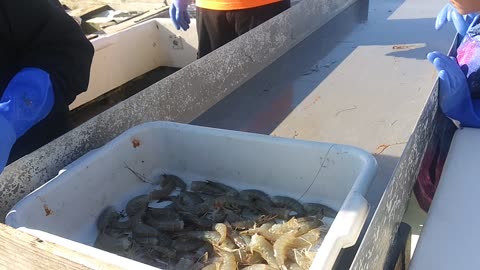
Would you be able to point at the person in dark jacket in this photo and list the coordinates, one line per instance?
(45, 63)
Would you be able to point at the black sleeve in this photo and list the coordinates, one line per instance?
(46, 37)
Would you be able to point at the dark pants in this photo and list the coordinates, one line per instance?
(55, 125)
(217, 28)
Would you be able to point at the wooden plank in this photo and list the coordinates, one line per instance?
(19, 250)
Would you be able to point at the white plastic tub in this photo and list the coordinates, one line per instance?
(67, 206)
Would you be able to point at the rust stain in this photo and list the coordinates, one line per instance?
(382, 147)
(48, 211)
(314, 101)
(136, 143)
(404, 47)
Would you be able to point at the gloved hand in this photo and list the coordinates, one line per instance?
(27, 100)
(454, 95)
(450, 14)
(179, 14)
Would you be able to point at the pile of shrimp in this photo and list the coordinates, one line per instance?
(214, 226)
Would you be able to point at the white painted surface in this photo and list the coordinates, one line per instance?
(125, 55)
(450, 236)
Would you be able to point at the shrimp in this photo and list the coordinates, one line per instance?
(179, 183)
(227, 190)
(162, 213)
(303, 259)
(140, 230)
(212, 266)
(190, 198)
(232, 203)
(281, 247)
(259, 267)
(255, 195)
(208, 236)
(186, 244)
(308, 239)
(229, 262)
(235, 236)
(168, 185)
(187, 216)
(313, 209)
(112, 244)
(165, 251)
(264, 231)
(147, 241)
(264, 248)
(167, 225)
(249, 258)
(137, 206)
(184, 264)
(287, 202)
(222, 230)
(106, 218)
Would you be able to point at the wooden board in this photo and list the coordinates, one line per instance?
(19, 250)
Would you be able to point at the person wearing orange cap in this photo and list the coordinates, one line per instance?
(221, 21)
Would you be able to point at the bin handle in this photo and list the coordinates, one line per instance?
(344, 231)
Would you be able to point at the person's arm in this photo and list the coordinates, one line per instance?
(49, 39)
(53, 58)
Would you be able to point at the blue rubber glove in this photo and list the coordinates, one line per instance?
(27, 100)
(179, 14)
(450, 14)
(454, 95)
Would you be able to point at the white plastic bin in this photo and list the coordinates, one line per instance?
(67, 206)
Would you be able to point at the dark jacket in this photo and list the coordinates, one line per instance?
(41, 34)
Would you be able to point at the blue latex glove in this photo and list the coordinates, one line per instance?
(27, 100)
(450, 14)
(454, 95)
(179, 14)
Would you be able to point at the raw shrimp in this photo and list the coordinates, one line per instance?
(204, 187)
(143, 230)
(184, 264)
(184, 244)
(303, 259)
(165, 225)
(187, 216)
(229, 262)
(137, 205)
(147, 241)
(264, 248)
(164, 251)
(227, 190)
(313, 209)
(259, 267)
(208, 236)
(281, 247)
(287, 202)
(249, 258)
(264, 231)
(168, 186)
(162, 213)
(106, 218)
(112, 244)
(232, 203)
(308, 239)
(255, 195)
(190, 198)
(235, 236)
(222, 230)
(179, 183)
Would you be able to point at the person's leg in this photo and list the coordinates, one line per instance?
(247, 19)
(213, 30)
